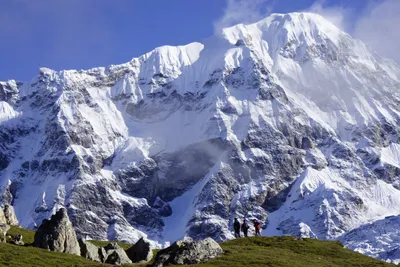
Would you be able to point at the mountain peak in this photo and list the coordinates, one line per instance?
(288, 120)
(281, 28)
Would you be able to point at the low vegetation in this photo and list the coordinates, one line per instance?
(29, 256)
(291, 252)
(254, 251)
(27, 235)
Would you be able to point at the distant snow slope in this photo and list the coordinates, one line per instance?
(288, 120)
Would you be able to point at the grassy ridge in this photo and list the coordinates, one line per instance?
(28, 256)
(283, 251)
(27, 235)
(288, 251)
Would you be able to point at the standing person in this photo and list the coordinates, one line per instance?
(257, 227)
(236, 227)
(245, 228)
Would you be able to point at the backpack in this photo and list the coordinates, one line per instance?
(258, 226)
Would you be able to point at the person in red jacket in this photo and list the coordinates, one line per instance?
(257, 227)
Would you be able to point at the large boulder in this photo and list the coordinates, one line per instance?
(57, 234)
(116, 255)
(186, 252)
(140, 252)
(3, 231)
(9, 214)
(91, 251)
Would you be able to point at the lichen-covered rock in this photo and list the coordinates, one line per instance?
(57, 234)
(3, 219)
(3, 231)
(186, 252)
(140, 252)
(17, 240)
(91, 251)
(116, 255)
(9, 214)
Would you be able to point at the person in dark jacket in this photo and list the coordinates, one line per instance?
(245, 228)
(257, 227)
(236, 227)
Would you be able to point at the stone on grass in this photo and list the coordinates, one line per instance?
(57, 234)
(116, 255)
(186, 252)
(140, 252)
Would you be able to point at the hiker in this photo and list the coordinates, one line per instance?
(236, 227)
(245, 228)
(257, 227)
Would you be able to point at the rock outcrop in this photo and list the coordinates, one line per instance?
(183, 253)
(116, 255)
(3, 231)
(57, 234)
(9, 214)
(91, 251)
(3, 219)
(140, 252)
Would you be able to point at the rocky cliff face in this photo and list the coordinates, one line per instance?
(288, 120)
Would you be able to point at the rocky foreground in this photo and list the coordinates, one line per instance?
(61, 248)
(58, 235)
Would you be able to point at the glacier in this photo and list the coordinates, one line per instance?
(288, 120)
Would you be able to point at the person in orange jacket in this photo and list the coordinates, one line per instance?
(257, 227)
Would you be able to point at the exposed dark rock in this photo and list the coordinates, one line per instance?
(275, 199)
(140, 252)
(164, 209)
(306, 143)
(169, 175)
(4, 161)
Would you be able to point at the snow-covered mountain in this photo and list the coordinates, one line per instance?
(288, 120)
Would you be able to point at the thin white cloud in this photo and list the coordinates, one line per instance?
(241, 11)
(338, 15)
(379, 28)
(376, 25)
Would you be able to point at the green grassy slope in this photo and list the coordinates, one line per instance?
(255, 251)
(27, 235)
(287, 251)
(28, 256)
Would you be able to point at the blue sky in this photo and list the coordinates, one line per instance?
(80, 34)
